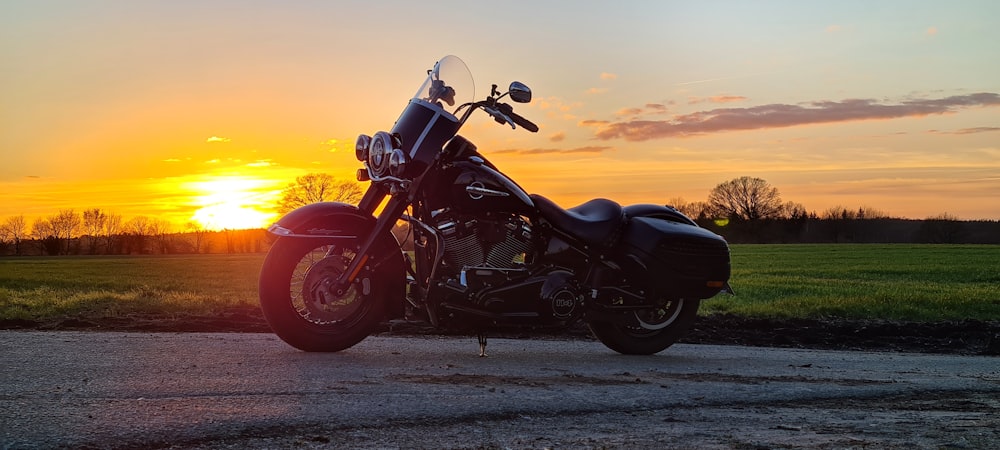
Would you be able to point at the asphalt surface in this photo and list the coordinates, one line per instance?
(232, 390)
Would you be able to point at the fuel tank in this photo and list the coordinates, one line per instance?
(471, 186)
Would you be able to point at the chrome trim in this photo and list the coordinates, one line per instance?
(405, 184)
(478, 192)
(281, 231)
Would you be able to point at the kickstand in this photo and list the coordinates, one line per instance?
(482, 344)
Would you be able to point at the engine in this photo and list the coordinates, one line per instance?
(477, 242)
(485, 263)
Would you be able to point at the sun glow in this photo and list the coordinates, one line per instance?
(233, 202)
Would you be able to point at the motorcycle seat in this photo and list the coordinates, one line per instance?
(596, 222)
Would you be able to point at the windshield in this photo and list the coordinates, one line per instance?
(448, 85)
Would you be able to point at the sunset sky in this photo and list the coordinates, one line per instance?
(204, 110)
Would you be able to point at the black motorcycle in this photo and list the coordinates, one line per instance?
(485, 253)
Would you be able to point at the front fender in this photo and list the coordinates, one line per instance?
(324, 219)
(333, 220)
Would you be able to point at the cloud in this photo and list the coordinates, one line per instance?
(968, 130)
(629, 112)
(558, 137)
(608, 76)
(717, 99)
(783, 115)
(833, 28)
(261, 163)
(594, 91)
(648, 109)
(541, 151)
(217, 139)
(932, 31)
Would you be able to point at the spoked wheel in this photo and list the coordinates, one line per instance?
(301, 302)
(648, 331)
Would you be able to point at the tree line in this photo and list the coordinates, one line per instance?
(744, 210)
(750, 210)
(99, 232)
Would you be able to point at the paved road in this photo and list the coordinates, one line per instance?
(205, 390)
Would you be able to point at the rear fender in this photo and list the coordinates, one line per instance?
(658, 211)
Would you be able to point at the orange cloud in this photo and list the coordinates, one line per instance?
(973, 130)
(781, 115)
(541, 151)
(608, 76)
(717, 99)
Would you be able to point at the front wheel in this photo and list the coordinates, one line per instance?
(648, 331)
(300, 304)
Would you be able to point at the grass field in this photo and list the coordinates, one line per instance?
(901, 282)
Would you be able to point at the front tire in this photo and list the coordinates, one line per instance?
(648, 331)
(299, 308)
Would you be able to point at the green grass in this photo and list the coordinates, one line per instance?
(45, 288)
(900, 282)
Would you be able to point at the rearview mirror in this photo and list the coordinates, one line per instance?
(519, 92)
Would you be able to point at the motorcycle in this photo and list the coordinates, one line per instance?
(485, 253)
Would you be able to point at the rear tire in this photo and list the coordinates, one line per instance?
(649, 331)
(304, 314)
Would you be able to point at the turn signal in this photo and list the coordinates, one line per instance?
(363, 175)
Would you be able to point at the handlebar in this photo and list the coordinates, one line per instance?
(524, 123)
(501, 112)
(517, 118)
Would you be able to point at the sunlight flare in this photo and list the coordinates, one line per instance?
(233, 202)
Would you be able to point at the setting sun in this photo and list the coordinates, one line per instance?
(233, 202)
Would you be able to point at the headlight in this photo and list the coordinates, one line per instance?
(361, 147)
(397, 163)
(378, 153)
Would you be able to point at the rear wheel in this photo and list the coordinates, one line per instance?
(299, 300)
(648, 331)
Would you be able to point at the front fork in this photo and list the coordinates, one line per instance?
(393, 210)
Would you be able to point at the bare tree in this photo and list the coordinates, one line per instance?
(694, 210)
(746, 198)
(66, 224)
(839, 213)
(94, 221)
(112, 228)
(159, 229)
(44, 234)
(794, 210)
(13, 231)
(868, 212)
(318, 187)
(199, 233)
(138, 229)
